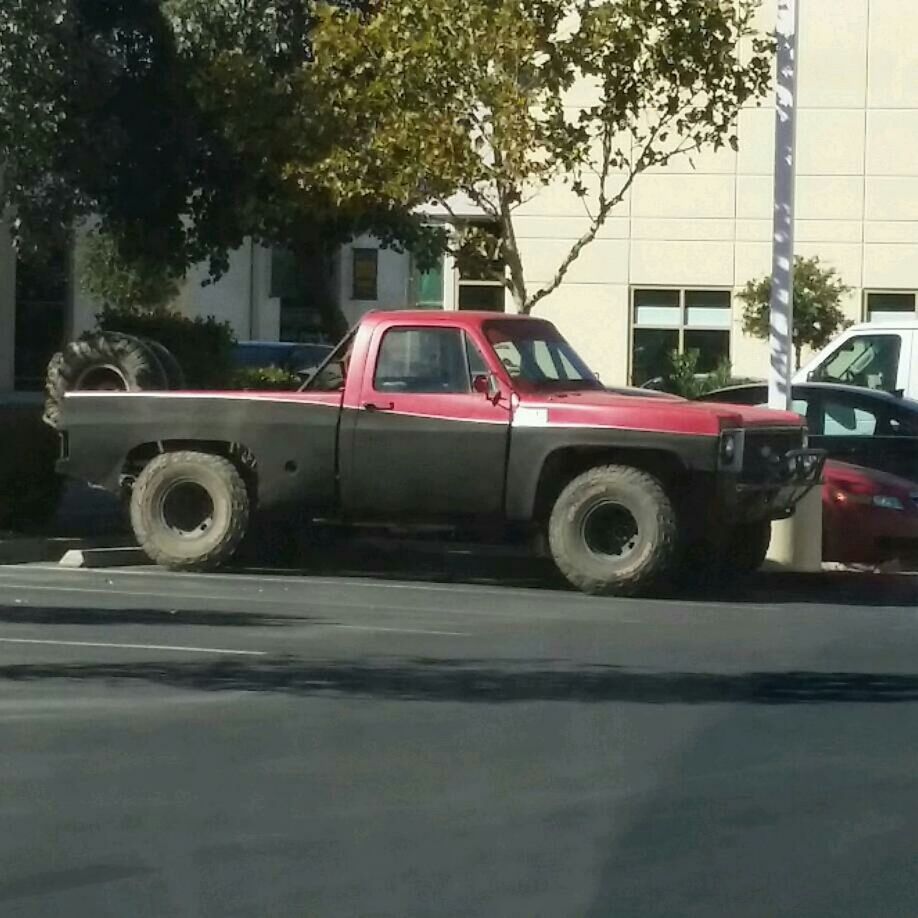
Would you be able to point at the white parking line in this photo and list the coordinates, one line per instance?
(238, 653)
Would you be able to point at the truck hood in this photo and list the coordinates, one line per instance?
(602, 408)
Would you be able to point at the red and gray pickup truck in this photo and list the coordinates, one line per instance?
(477, 421)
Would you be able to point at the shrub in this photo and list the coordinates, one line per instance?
(265, 379)
(203, 347)
(30, 489)
(818, 316)
(682, 376)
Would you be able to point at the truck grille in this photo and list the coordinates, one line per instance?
(765, 451)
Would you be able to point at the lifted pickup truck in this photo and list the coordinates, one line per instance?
(459, 419)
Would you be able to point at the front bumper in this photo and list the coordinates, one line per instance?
(787, 483)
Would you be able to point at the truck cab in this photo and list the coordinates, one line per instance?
(875, 355)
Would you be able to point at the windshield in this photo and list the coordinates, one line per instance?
(537, 357)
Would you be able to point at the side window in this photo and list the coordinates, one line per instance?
(422, 360)
(477, 365)
(865, 360)
(844, 419)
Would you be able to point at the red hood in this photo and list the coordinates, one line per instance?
(601, 408)
(856, 478)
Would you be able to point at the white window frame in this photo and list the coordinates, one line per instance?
(633, 324)
(869, 291)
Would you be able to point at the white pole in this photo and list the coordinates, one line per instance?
(781, 368)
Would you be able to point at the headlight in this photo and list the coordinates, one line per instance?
(887, 502)
(728, 449)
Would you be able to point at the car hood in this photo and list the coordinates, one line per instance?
(603, 408)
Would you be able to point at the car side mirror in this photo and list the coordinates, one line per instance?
(486, 384)
(810, 376)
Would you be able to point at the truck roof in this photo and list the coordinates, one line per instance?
(464, 318)
(897, 325)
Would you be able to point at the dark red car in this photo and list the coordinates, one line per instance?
(868, 516)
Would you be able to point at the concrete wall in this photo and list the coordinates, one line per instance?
(394, 271)
(707, 226)
(710, 226)
(241, 297)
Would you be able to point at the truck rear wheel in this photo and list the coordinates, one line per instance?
(612, 531)
(190, 510)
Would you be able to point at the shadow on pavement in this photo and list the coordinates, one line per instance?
(442, 680)
(48, 615)
(443, 565)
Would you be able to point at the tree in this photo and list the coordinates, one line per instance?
(421, 100)
(817, 315)
(169, 122)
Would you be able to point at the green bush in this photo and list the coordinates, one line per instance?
(203, 347)
(265, 379)
(682, 376)
(30, 489)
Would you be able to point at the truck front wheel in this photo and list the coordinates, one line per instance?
(189, 510)
(613, 531)
(747, 547)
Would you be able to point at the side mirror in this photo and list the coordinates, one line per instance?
(810, 376)
(486, 384)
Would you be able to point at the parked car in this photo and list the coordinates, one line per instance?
(868, 517)
(285, 355)
(862, 426)
(457, 419)
(875, 355)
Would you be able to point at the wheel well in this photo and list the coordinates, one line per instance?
(239, 455)
(566, 464)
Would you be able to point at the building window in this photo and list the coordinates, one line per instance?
(665, 320)
(890, 307)
(481, 275)
(365, 273)
(426, 290)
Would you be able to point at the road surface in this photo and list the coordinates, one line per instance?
(244, 745)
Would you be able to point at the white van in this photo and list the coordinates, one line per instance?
(875, 355)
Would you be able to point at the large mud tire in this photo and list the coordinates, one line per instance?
(174, 374)
(190, 510)
(103, 361)
(746, 549)
(592, 541)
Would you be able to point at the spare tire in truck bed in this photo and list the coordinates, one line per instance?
(102, 361)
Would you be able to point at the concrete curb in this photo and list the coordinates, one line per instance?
(37, 549)
(24, 550)
(103, 557)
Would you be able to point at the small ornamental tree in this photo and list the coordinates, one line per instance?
(818, 317)
(417, 101)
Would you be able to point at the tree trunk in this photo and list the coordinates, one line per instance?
(516, 283)
(798, 353)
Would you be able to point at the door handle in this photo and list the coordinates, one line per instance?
(372, 406)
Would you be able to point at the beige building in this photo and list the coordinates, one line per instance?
(665, 268)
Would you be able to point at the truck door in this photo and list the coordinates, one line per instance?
(424, 443)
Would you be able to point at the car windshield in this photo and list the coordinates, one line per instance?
(537, 357)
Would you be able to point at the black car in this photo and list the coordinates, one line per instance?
(863, 426)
